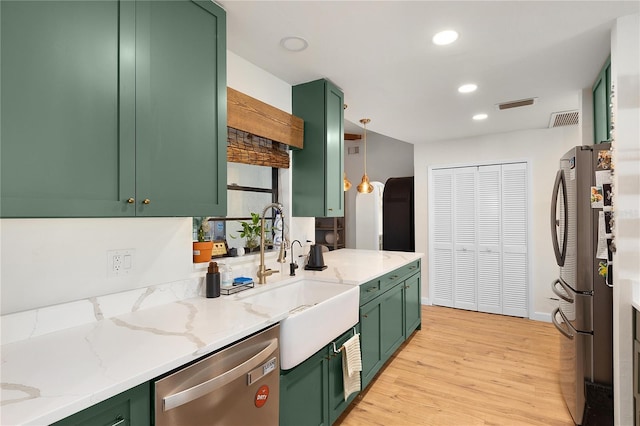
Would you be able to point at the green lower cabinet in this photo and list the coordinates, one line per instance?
(129, 408)
(388, 319)
(391, 321)
(304, 392)
(337, 403)
(370, 341)
(412, 305)
(312, 393)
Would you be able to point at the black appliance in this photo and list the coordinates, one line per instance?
(398, 223)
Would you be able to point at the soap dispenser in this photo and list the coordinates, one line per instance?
(213, 280)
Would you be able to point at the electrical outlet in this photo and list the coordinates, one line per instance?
(120, 262)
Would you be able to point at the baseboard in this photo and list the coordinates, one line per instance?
(541, 316)
(425, 301)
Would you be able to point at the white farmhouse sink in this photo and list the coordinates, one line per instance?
(318, 313)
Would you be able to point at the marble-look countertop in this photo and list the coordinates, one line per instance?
(62, 369)
(352, 266)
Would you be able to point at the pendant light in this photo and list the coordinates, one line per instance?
(365, 186)
(346, 183)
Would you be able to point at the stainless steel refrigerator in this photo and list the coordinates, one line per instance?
(580, 219)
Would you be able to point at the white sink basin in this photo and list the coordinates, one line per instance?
(318, 313)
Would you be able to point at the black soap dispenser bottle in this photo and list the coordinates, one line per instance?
(213, 280)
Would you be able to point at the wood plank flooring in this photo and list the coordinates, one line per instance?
(467, 368)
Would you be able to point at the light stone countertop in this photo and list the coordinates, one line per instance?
(51, 371)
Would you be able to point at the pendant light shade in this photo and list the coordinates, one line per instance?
(346, 182)
(365, 186)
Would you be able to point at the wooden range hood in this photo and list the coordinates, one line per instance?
(258, 118)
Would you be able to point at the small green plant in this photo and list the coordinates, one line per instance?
(251, 231)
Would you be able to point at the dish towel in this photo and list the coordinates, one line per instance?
(351, 365)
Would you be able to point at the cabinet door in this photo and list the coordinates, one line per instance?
(370, 341)
(337, 404)
(441, 236)
(66, 101)
(132, 407)
(514, 240)
(180, 108)
(317, 188)
(601, 108)
(412, 306)
(304, 393)
(489, 239)
(391, 321)
(334, 193)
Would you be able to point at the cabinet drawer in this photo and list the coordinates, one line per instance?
(369, 290)
(392, 278)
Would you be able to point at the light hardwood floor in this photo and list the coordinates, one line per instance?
(467, 368)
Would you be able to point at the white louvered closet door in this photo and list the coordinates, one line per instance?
(489, 239)
(441, 254)
(465, 242)
(514, 239)
(478, 254)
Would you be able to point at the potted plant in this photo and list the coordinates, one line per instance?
(251, 232)
(203, 248)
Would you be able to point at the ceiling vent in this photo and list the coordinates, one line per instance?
(564, 118)
(516, 104)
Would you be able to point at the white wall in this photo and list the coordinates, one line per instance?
(543, 149)
(51, 261)
(625, 78)
(386, 158)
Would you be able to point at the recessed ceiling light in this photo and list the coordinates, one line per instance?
(478, 117)
(467, 88)
(445, 37)
(294, 44)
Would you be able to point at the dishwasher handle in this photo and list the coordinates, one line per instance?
(195, 392)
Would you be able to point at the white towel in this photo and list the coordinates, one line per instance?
(351, 365)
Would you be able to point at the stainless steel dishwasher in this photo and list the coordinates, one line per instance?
(238, 386)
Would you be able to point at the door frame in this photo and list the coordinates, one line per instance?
(530, 273)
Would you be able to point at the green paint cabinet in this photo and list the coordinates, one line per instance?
(317, 189)
(131, 407)
(412, 305)
(312, 393)
(389, 313)
(602, 105)
(113, 109)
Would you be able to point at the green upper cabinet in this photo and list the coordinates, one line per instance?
(602, 105)
(181, 108)
(318, 167)
(107, 104)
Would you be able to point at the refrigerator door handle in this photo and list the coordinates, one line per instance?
(566, 332)
(560, 255)
(562, 296)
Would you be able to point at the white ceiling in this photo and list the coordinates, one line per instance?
(380, 53)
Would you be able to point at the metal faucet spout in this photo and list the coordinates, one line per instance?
(263, 273)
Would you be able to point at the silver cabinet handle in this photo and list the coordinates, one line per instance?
(119, 421)
(195, 392)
